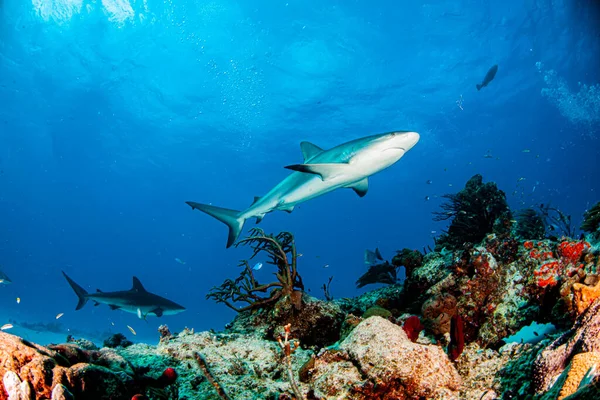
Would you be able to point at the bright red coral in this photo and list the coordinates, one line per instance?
(457, 338)
(528, 245)
(572, 251)
(412, 326)
(168, 376)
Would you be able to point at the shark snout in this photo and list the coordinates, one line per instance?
(405, 140)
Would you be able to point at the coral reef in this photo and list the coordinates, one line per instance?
(452, 330)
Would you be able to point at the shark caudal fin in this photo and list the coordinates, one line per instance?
(79, 291)
(229, 217)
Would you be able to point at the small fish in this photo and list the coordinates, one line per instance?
(131, 330)
(429, 182)
(59, 315)
(525, 151)
(326, 266)
(112, 323)
(5, 327)
(520, 179)
(488, 155)
(433, 232)
(427, 198)
(257, 266)
(18, 300)
(180, 261)
(299, 255)
(535, 333)
(450, 185)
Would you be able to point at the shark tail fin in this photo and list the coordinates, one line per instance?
(229, 217)
(79, 291)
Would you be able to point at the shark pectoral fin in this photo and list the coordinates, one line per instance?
(98, 291)
(360, 187)
(96, 304)
(259, 218)
(288, 209)
(256, 199)
(309, 150)
(325, 171)
(158, 312)
(113, 307)
(140, 314)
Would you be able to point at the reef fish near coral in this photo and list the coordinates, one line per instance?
(137, 300)
(347, 165)
(491, 74)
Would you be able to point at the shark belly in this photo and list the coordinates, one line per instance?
(306, 187)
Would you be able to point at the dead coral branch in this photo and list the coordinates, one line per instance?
(280, 250)
(289, 347)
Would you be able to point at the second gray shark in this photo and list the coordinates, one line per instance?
(137, 300)
(347, 165)
(4, 280)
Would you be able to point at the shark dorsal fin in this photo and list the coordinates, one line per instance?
(98, 291)
(309, 150)
(137, 285)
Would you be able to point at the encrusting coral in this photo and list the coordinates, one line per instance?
(580, 365)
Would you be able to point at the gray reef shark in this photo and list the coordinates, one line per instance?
(4, 280)
(137, 300)
(347, 165)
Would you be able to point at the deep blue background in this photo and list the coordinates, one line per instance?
(112, 115)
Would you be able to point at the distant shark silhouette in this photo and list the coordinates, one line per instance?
(347, 165)
(4, 279)
(137, 300)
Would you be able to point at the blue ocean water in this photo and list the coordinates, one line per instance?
(114, 113)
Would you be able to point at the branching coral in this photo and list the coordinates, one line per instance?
(557, 222)
(591, 219)
(281, 252)
(530, 225)
(474, 211)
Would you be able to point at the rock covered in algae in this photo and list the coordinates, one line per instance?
(41, 369)
(386, 356)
